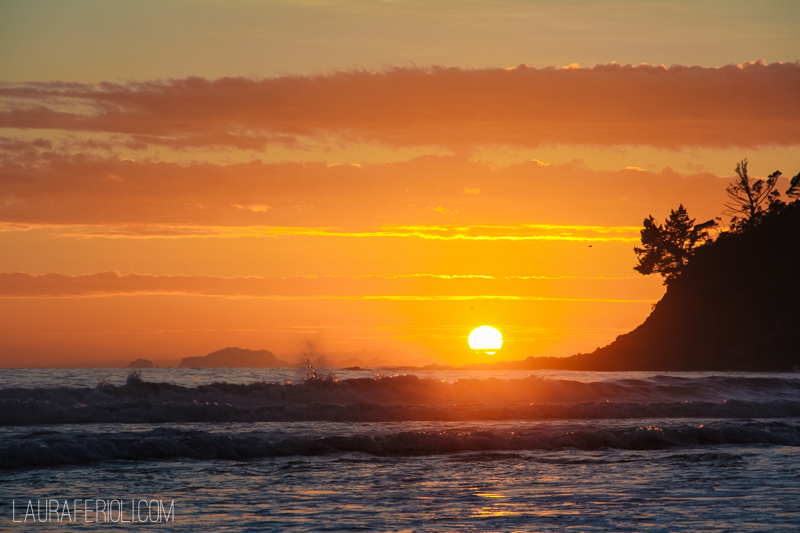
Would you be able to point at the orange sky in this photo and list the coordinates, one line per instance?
(372, 210)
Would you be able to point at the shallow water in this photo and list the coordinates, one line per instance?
(593, 451)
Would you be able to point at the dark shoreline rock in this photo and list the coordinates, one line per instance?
(736, 307)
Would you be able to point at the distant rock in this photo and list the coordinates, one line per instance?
(350, 363)
(235, 358)
(141, 363)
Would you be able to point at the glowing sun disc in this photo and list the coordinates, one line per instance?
(485, 338)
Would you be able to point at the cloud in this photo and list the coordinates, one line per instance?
(483, 232)
(49, 188)
(443, 210)
(746, 105)
(373, 287)
(254, 208)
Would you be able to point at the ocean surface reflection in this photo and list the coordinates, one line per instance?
(729, 488)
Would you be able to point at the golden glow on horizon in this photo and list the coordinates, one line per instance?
(485, 339)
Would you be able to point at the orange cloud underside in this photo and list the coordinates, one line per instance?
(43, 186)
(737, 105)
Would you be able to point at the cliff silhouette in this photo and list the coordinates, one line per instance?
(234, 358)
(735, 306)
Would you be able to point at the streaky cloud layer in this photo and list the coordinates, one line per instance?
(375, 287)
(521, 232)
(42, 185)
(747, 105)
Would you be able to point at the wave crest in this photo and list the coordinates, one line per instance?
(53, 447)
(403, 398)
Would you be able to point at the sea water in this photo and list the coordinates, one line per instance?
(262, 449)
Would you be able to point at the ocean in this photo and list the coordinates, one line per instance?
(378, 450)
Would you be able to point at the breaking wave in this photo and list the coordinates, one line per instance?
(40, 448)
(405, 398)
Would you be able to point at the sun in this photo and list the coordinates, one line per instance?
(485, 339)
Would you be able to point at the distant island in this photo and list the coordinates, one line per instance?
(141, 363)
(234, 358)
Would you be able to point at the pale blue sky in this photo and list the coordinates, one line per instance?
(118, 40)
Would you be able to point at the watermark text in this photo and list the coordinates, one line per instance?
(92, 510)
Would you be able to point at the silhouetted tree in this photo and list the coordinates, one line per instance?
(750, 198)
(794, 188)
(667, 248)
